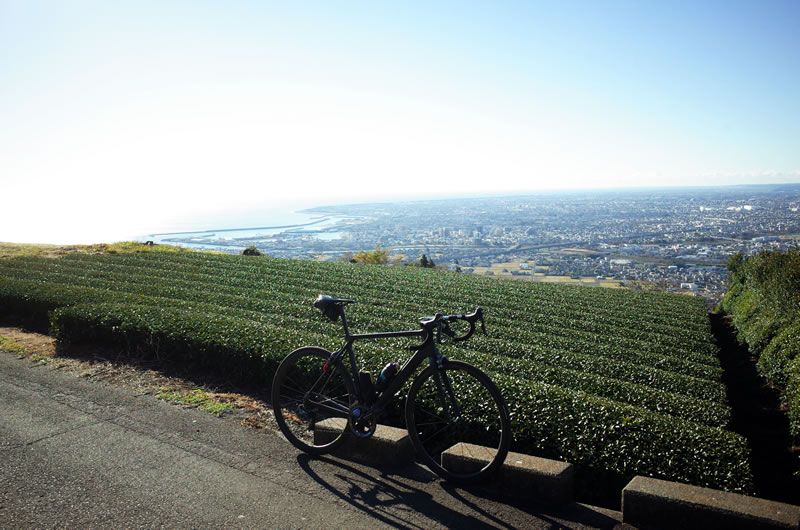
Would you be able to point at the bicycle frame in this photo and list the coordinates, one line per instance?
(427, 349)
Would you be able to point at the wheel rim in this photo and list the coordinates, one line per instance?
(307, 396)
(476, 422)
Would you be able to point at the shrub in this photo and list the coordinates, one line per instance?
(583, 429)
(378, 256)
(774, 360)
(248, 349)
(792, 396)
(759, 330)
(764, 303)
(251, 251)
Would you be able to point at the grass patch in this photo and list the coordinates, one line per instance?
(21, 249)
(128, 247)
(197, 398)
(10, 250)
(10, 346)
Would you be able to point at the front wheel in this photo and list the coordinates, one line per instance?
(458, 422)
(308, 399)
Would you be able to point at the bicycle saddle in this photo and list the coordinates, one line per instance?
(331, 307)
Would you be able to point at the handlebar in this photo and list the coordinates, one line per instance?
(333, 308)
(442, 324)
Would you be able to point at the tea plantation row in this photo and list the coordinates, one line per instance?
(621, 382)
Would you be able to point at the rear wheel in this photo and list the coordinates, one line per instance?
(308, 398)
(458, 422)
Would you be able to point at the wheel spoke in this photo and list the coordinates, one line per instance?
(456, 404)
(304, 395)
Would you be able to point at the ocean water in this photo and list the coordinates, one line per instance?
(222, 230)
(233, 219)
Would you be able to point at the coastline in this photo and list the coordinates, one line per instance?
(240, 229)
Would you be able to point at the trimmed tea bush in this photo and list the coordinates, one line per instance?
(621, 382)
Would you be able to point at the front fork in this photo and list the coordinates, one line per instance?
(445, 388)
(360, 417)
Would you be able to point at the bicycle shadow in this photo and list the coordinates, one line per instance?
(399, 497)
(578, 514)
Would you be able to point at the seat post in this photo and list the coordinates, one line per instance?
(344, 324)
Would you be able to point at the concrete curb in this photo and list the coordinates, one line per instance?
(550, 481)
(653, 503)
(388, 445)
(646, 502)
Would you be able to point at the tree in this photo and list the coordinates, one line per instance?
(426, 263)
(251, 251)
(379, 256)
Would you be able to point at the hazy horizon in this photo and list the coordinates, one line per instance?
(294, 213)
(122, 117)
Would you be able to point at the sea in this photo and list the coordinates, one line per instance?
(202, 232)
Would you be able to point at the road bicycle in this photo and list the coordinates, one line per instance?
(448, 403)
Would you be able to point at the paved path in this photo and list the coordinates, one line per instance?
(80, 453)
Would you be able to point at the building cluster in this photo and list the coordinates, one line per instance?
(675, 239)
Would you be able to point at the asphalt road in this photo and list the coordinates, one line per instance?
(78, 453)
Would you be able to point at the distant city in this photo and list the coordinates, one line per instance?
(676, 239)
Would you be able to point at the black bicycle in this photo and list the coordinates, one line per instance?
(452, 408)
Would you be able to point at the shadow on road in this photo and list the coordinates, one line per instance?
(391, 490)
(413, 497)
(578, 514)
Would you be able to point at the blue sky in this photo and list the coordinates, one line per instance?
(124, 117)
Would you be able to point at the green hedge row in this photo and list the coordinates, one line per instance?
(548, 335)
(792, 395)
(557, 349)
(651, 305)
(764, 304)
(549, 350)
(565, 309)
(548, 420)
(624, 440)
(232, 344)
(245, 314)
(655, 390)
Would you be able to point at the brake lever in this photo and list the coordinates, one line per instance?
(448, 331)
(483, 322)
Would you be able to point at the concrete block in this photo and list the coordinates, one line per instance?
(531, 477)
(387, 446)
(653, 503)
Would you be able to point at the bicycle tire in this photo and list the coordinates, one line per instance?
(484, 421)
(304, 395)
